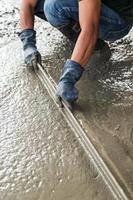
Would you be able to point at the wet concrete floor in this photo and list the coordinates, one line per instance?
(40, 158)
(105, 106)
(39, 155)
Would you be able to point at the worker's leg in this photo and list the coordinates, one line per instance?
(112, 26)
(39, 11)
(63, 14)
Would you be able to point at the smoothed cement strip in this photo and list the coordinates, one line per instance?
(81, 136)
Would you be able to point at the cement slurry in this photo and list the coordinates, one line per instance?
(39, 156)
(105, 105)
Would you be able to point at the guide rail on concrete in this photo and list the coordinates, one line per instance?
(81, 136)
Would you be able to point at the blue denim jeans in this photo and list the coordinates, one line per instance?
(62, 12)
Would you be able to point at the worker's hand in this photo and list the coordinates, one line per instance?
(66, 89)
(32, 57)
(31, 54)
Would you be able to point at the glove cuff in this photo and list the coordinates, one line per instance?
(73, 64)
(71, 72)
(28, 38)
(26, 30)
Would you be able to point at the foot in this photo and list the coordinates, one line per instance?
(100, 44)
(102, 53)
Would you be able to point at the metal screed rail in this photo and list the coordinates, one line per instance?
(81, 136)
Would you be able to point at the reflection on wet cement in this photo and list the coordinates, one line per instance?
(105, 106)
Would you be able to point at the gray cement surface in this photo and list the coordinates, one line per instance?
(39, 157)
(105, 105)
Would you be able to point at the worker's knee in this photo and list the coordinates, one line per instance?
(52, 9)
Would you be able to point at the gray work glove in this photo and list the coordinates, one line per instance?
(71, 73)
(31, 54)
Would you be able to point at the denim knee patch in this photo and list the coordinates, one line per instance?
(60, 12)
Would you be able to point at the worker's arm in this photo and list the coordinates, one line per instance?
(28, 34)
(89, 15)
(27, 14)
